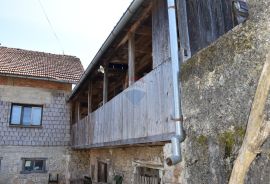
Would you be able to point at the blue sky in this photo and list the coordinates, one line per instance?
(81, 25)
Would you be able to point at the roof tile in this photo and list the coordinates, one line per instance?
(39, 64)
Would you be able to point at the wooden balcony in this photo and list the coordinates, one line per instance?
(141, 114)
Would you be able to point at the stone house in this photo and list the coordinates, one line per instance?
(34, 115)
(132, 103)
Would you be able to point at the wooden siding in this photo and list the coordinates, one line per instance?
(160, 33)
(140, 114)
(146, 180)
(207, 20)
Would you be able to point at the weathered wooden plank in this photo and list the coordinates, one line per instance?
(151, 94)
(157, 103)
(98, 126)
(90, 129)
(149, 140)
(160, 32)
(139, 97)
(105, 84)
(140, 114)
(94, 128)
(108, 119)
(86, 124)
(143, 109)
(102, 123)
(168, 86)
(163, 110)
(207, 20)
(90, 91)
(132, 127)
(131, 59)
(125, 103)
(185, 52)
(78, 111)
(117, 114)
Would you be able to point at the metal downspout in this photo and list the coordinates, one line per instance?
(179, 136)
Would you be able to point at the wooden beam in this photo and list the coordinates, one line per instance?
(135, 26)
(150, 140)
(144, 62)
(90, 97)
(160, 32)
(185, 52)
(105, 84)
(78, 112)
(144, 30)
(131, 59)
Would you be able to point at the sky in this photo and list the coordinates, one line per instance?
(81, 26)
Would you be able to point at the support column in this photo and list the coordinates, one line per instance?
(90, 97)
(105, 84)
(131, 59)
(185, 52)
(78, 115)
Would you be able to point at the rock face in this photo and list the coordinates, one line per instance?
(218, 86)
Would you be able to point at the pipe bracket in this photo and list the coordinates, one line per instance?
(181, 119)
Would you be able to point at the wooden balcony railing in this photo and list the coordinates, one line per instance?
(139, 114)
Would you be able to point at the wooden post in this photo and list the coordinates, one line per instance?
(105, 84)
(78, 111)
(160, 32)
(131, 59)
(185, 52)
(90, 97)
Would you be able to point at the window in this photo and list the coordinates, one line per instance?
(26, 115)
(102, 172)
(146, 175)
(33, 165)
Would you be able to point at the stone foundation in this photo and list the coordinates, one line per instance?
(124, 161)
(11, 164)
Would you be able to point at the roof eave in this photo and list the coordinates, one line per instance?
(133, 7)
(38, 78)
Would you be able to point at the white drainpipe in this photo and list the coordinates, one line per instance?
(179, 136)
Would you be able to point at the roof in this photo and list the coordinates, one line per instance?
(44, 66)
(124, 20)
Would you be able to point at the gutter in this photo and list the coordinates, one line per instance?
(117, 29)
(179, 136)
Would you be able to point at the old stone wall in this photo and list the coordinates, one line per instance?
(124, 161)
(218, 86)
(55, 129)
(11, 164)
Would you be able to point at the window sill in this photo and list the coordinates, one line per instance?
(33, 172)
(24, 126)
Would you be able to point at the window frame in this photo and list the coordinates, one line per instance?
(21, 116)
(102, 176)
(32, 160)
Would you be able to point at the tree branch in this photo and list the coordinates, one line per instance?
(258, 129)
